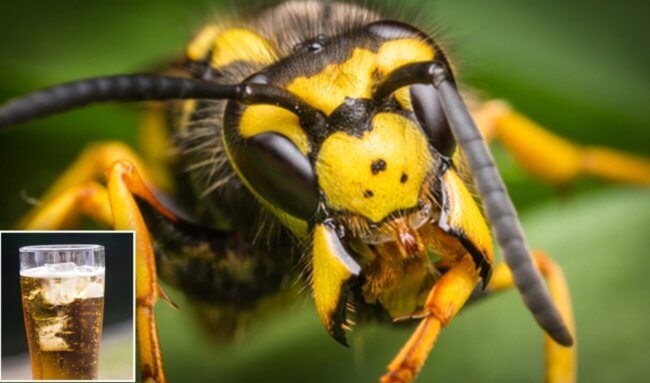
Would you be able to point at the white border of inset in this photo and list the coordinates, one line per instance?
(134, 358)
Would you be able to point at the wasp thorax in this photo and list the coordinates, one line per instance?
(377, 171)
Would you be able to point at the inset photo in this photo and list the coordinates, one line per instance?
(68, 305)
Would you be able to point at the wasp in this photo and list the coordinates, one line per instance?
(326, 140)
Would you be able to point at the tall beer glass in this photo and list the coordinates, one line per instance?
(63, 305)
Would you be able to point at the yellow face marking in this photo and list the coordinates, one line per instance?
(396, 53)
(355, 77)
(202, 43)
(403, 97)
(464, 215)
(329, 88)
(257, 119)
(377, 173)
(238, 44)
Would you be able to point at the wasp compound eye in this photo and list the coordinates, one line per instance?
(431, 117)
(278, 171)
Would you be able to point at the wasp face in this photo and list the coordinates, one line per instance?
(376, 170)
(374, 175)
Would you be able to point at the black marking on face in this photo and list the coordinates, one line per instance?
(368, 193)
(378, 166)
(353, 117)
(404, 178)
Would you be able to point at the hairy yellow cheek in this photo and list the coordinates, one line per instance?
(377, 173)
(237, 44)
(202, 42)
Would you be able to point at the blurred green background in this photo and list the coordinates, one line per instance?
(580, 68)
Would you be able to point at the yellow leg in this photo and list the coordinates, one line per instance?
(123, 183)
(551, 157)
(560, 361)
(64, 210)
(115, 205)
(89, 166)
(450, 294)
(445, 300)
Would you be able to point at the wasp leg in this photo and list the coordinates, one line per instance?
(447, 297)
(88, 166)
(64, 210)
(123, 182)
(552, 158)
(560, 360)
(116, 204)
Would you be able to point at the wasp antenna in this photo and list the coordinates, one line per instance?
(138, 87)
(145, 87)
(499, 209)
(417, 73)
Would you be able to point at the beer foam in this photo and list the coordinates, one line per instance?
(62, 283)
(62, 270)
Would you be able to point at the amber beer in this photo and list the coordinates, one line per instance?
(63, 305)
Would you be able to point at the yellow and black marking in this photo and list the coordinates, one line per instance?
(462, 218)
(339, 82)
(332, 269)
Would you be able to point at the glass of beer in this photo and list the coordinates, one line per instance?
(63, 305)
